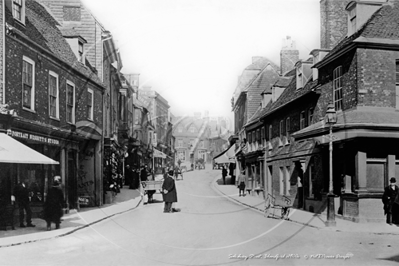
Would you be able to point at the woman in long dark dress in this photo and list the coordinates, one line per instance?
(53, 205)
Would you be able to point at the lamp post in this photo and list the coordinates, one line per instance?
(331, 119)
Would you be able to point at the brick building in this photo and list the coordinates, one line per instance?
(359, 76)
(59, 107)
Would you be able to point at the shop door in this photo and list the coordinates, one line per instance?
(72, 182)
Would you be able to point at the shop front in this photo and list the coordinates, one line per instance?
(39, 173)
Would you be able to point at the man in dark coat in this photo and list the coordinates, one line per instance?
(390, 199)
(136, 179)
(53, 206)
(224, 174)
(128, 176)
(22, 196)
(169, 192)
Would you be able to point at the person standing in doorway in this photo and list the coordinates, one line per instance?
(22, 196)
(224, 174)
(390, 200)
(169, 192)
(53, 206)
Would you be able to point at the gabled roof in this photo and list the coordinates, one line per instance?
(290, 94)
(41, 28)
(251, 73)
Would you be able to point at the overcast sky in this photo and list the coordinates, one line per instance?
(192, 51)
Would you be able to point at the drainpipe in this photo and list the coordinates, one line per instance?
(4, 52)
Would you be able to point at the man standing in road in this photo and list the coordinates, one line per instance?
(22, 196)
(169, 192)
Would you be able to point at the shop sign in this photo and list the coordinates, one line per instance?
(84, 200)
(23, 135)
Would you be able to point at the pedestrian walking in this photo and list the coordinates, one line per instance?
(169, 193)
(53, 210)
(241, 183)
(23, 195)
(390, 200)
(224, 174)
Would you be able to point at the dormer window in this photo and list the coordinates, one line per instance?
(18, 10)
(299, 78)
(352, 20)
(359, 12)
(80, 51)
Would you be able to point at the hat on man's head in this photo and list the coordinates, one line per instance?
(57, 180)
(392, 180)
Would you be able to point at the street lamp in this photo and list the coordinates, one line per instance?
(331, 119)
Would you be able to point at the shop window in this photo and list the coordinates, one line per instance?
(70, 103)
(28, 84)
(53, 95)
(90, 104)
(287, 186)
(281, 178)
(376, 172)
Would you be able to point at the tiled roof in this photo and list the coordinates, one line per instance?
(263, 80)
(383, 24)
(255, 116)
(69, 32)
(251, 73)
(288, 95)
(281, 82)
(295, 149)
(43, 30)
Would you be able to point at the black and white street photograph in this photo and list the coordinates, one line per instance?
(199, 132)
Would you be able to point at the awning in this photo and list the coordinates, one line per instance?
(13, 151)
(227, 156)
(159, 154)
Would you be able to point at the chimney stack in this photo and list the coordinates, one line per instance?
(289, 55)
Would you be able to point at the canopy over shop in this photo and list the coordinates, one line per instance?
(13, 151)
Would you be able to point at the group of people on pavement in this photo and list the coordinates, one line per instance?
(52, 208)
(53, 205)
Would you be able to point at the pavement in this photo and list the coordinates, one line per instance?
(257, 203)
(126, 200)
(129, 199)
